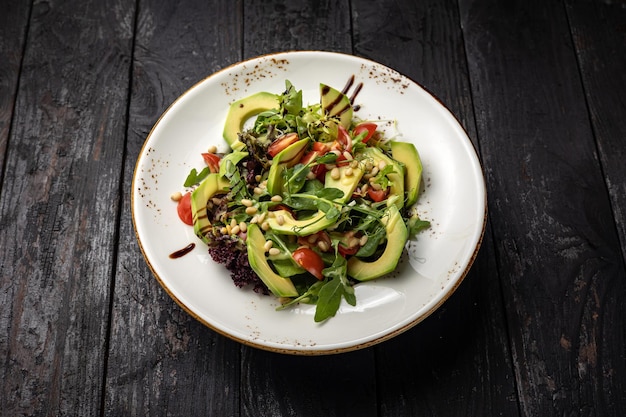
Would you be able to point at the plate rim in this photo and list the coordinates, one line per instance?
(311, 350)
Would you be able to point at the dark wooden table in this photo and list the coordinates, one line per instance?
(538, 327)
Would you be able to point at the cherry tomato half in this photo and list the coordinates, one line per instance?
(184, 209)
(212, 161)
(321, 147)
(377, 195)
(346, 251)
(308, 157)
(281, 142)
(367, 127)
(309, 260)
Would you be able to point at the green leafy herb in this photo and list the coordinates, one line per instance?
(195, 178)
(336, 288)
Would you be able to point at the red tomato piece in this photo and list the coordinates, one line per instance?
(309, 260)
(377, 195)
(319, 171)
(281, 142)
(212, 161)
(308, 157)
(367, 127)
(321, 147)
(184, 209)
(346, 251)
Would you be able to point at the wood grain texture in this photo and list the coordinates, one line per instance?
(162, 361)
(13, 26)
(278, 26)
(456, 361)
(599, 34)
(58, 208)
(557, 250)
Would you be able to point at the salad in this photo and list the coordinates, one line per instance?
(308, 202)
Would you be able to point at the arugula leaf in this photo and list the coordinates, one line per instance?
(291, 100)
(336, 288)
(329, 158)
(373, 241)
(329, 300)
(295, 177)
(329, 193)
(194, 177)
(416, 225)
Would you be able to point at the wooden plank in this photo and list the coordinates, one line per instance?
(557, 250)
(457, 361)
(58, 207)
(13, 26)
(599, 34)
(279, 385)
(162, 361)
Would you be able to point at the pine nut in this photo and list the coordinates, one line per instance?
(274, 251)
(265, 226)
(251, 210)
(349, 172)
(276, 198)
(268, 245)
(382, 165)
(243, 227)
(212, 149)
(374, 171)
(363, 240)
(235, 230)
(334, 173)
(176, 196)
(280, 219)
(258, 190)
(246, 202)
(323, 245)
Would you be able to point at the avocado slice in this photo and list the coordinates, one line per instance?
(243, 109)
(407, 154)
(397, 235)
(396, 178)
(291, 226)
(213, 184)
(346, 183)
(279, 286)
(336, 104)
(286, 158)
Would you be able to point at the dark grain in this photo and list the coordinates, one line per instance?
(59, 200)
(13, 26)
(551, 217)
(162, 361)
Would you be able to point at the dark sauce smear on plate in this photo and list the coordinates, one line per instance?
(182, 252)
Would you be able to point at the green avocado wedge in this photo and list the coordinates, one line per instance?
(286, 158)
(212, 185)
(279, 286)
(243, 109)
(289, 226)
(336, 104)
(407, 154)
(397, 235)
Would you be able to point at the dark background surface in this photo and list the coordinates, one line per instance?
(537, 328)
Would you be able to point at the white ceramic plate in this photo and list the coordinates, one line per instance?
(453, 198)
